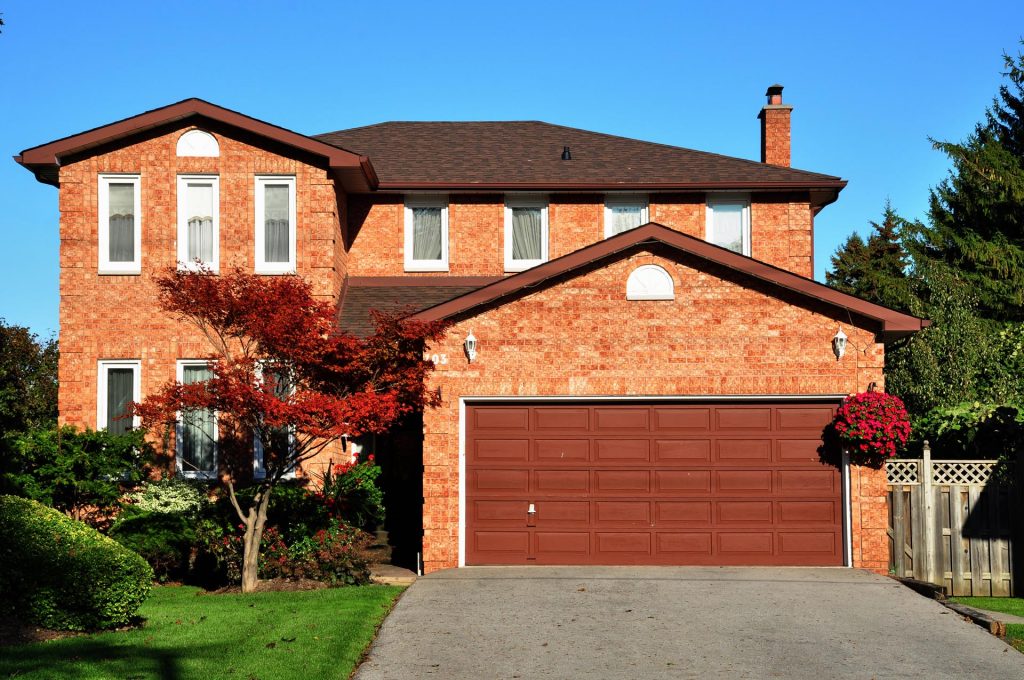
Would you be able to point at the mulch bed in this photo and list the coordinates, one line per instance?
(277, 585)
(15, 632)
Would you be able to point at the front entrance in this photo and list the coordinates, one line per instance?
(711, 483)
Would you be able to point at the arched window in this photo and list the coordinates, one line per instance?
(198, 143)
(650, 282)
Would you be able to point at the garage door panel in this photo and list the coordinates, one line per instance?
(621, 419)
(497, 481)
(682, 451)
(744, 481)
(613, 482)
(743, 451)
(681, 419)
(667, 513)
(720, 483)
(501, 418)
(629, 451)
(568, 451)
(682, 482)
(622, 512)
(500, 451)
(561, 482)
(740, 418)
(562, 419)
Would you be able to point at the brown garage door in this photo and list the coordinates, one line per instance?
(651, 484)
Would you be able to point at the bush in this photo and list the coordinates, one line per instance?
(167, 541)
(81, 473)
(172, 495)
(63, 574)
(973, 430)
(350, 492)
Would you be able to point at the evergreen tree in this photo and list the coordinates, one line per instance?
(875, 270)
(977, 213)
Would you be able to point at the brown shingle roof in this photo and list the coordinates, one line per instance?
(394, 294)
(528, 154)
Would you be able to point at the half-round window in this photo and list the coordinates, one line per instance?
(198, 143)
(650, 282)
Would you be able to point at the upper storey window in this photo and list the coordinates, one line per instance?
(622, 213)
(198, 143)
(198, 221)
(526, 233)
(120, 226)
(728, 223)
(426, 234)
(275, 225)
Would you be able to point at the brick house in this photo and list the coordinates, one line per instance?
(651, 365)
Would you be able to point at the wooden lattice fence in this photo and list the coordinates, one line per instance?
(954, 523)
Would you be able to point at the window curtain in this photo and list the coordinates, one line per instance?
(121, 246)
(120, 390)
(200, 222)
(625, 217)
(727, 226)
(275, 220)
(426, 233)
(526, 234)
(279, 438)
(197, 428)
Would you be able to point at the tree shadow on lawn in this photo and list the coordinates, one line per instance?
(88, 658)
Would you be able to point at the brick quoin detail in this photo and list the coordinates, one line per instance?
(581, 337)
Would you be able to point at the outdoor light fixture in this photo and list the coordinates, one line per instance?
(839, 344)
(471, 347)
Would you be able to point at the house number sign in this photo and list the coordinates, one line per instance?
(438, 359)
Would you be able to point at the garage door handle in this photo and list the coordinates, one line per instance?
(531, 510)
(531, 514)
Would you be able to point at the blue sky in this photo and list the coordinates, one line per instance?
(870, 81)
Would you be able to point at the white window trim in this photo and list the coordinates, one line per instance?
(728, 199)
(612, 200)
(525, 202)
(258, 471)
(183, 262)
(262, 266)
(412, 265)
(102, 366)
(194, 474)
(105, 266)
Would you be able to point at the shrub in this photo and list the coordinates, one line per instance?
(61, 573)
(167, 541)
(973, 430)
(350, 492)
(172, 495)
(81, 473)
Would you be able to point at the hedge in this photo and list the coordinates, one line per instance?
(63, 574)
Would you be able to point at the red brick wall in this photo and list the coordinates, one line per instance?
(582, 337)
(116, 317)
(780, 230)
(775, 135)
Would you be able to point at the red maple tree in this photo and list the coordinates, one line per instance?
(283, 380)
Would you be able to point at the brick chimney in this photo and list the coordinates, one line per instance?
(775, 135)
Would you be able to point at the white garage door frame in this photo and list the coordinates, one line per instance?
(466, 401)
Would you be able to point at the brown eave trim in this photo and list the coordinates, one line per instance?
(606, 186)
(891, 321)
(420, 280)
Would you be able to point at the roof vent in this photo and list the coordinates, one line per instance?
(566, 156)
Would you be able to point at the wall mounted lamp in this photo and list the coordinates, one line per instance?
(839, 343)
(470, 345)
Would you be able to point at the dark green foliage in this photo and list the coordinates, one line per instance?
(350, 492)
(63, 574)
(28, 385)
(973, 430)
(167, 541)
(82, 473)
(876, 270)
(977, 213)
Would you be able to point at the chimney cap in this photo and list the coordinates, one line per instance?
(774, 89)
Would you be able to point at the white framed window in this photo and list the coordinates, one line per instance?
(120, 224)
(426, 234)
(526, 232)
(198, 221)
(623, 212)
(196, 433)
(117, 383)
(275, 224)
(728, 223)
(283, 437)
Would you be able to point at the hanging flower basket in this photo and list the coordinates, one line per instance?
(872, 426)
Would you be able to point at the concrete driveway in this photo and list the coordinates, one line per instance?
(668, 622)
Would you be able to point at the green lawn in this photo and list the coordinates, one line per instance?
(191, 634)
(1007, 605)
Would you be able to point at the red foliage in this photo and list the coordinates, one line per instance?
(272, 326)
(873, 424)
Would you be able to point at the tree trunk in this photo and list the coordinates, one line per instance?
(255, 520)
